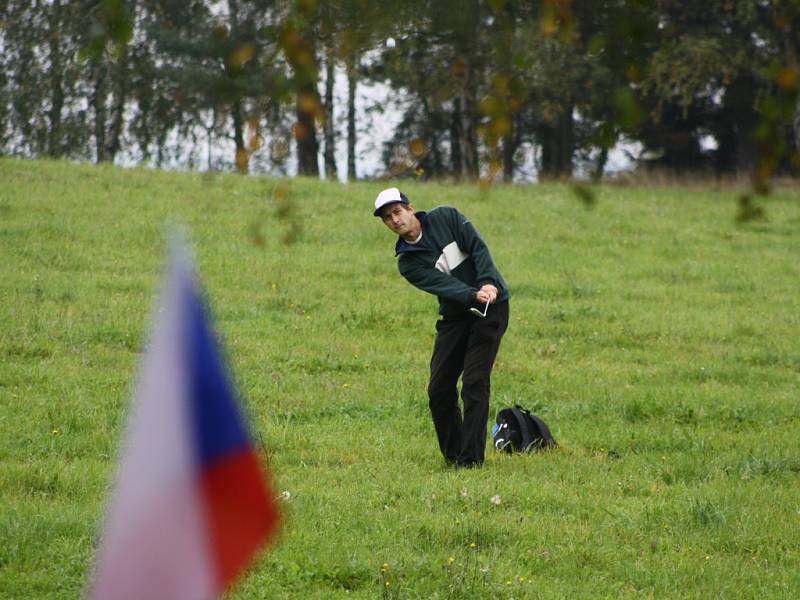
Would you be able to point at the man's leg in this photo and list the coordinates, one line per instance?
(482, 347)
(447, 363)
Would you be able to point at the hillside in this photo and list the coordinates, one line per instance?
(659, 340)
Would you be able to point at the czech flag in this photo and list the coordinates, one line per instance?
(191, 505)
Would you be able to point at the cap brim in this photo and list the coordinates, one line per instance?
(378, 210)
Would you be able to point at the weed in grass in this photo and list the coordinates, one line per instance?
(765, 466)
(705, 512)
(467, 576)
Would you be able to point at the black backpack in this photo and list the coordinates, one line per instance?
(517, 430)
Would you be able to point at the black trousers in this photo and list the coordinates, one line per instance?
(464, 348)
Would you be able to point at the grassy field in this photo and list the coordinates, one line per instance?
(659, 339)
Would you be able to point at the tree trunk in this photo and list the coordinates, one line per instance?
(54, 142)
(430, 156)
(469, 139)
(98, 102)
(510, 144)
(797, 133)
(796, 124)
(329, 131)
(210, 140)
(242, 156)
(456, 160)
(305, 132)
(738, 144)
(161, 144)
(121, 81)
(352, 83)
(558, 147)
(745, 144)
(600, 165)
(567, 145)
(307, 104)
(794, 159)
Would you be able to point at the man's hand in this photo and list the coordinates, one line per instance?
(487, 294)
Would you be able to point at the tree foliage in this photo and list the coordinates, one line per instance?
(699, 87)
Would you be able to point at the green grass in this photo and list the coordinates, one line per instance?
(659, 339)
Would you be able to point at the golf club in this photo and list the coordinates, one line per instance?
(475, 311)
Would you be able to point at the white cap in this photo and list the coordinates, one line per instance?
(388, 196)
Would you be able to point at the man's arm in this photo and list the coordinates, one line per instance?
(470, 240)
(437, 283)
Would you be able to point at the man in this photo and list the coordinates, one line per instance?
(442, 253)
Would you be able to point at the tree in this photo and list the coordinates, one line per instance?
(106, 45)
(355, 27)
(716, 71)
(43, 80)
(157, 80)
(440, 64)
(222, 63)
(298, 40)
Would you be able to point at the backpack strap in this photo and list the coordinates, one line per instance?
(527, 439)
(546, 438)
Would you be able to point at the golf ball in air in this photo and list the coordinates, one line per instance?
(390, 43)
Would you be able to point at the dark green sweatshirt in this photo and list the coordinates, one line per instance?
(450, 261)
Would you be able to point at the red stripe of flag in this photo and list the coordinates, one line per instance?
(241, 512)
